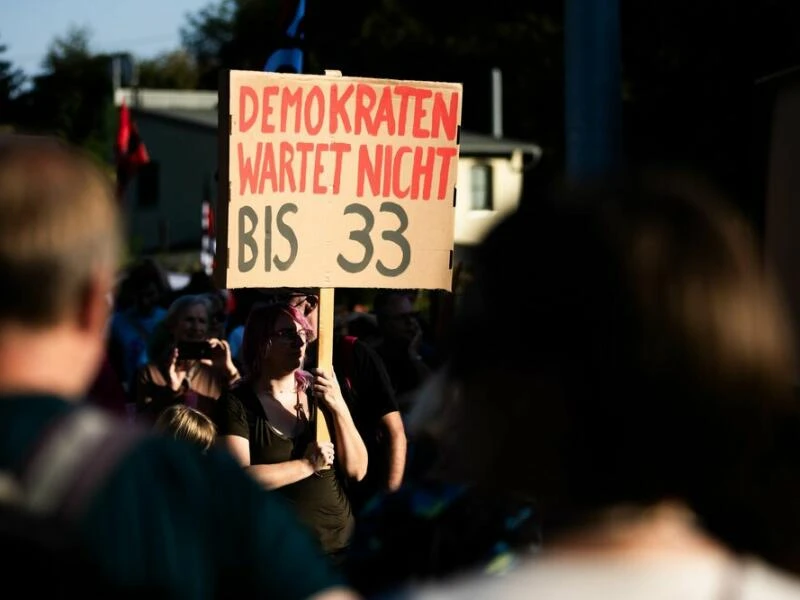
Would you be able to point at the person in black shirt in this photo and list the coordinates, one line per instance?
(368, 393)
(268, 423)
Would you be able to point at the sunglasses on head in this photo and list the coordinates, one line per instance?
(306, 301)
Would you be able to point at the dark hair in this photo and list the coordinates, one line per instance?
(138, 277)
(649, 358)
(146, 272)
(256, 340)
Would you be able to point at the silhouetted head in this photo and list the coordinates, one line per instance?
(648, 357)
(60, 243)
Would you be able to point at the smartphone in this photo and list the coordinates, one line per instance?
(194, 350)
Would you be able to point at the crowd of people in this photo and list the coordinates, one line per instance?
(245, 359)
(628, 430)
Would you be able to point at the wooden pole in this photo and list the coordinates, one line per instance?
(325, 350)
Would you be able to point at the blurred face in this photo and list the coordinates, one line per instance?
(192, 326)
(147, 298)
(287, 344)
(399, 321)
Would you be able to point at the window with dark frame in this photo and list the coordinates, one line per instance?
(480, 177)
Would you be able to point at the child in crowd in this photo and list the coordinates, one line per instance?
(186, 423)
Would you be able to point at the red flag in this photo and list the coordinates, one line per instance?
(212, 233)
(137, 153)
(130, 150)
(124, 130)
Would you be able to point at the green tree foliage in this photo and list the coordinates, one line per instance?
(11, 81)
(68, 51)
(236, 34)
(173, 70)
(406, 40)
(689, 66)
(73, 98)
(207, 36)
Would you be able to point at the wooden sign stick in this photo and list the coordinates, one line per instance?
(325, 350)
(325, 332)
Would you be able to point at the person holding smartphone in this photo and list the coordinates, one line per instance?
(193, 369)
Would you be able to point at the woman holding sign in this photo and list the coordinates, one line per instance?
(268, 423)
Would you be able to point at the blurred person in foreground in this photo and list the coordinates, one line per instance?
(161, 519)
(643, 394)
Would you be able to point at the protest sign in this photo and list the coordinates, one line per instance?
(332, 181)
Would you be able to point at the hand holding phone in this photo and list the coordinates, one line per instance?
(194, 350)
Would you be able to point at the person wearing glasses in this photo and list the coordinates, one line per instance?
(368, 392)
(269, 421)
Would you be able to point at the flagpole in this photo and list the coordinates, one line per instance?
(289, 58)
(135, 82)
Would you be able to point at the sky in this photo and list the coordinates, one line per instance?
(143, 27)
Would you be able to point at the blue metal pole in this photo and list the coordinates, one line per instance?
(593, 94)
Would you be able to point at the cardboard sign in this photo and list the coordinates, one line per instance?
(330, 181)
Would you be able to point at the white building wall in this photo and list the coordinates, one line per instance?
(472, 225)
